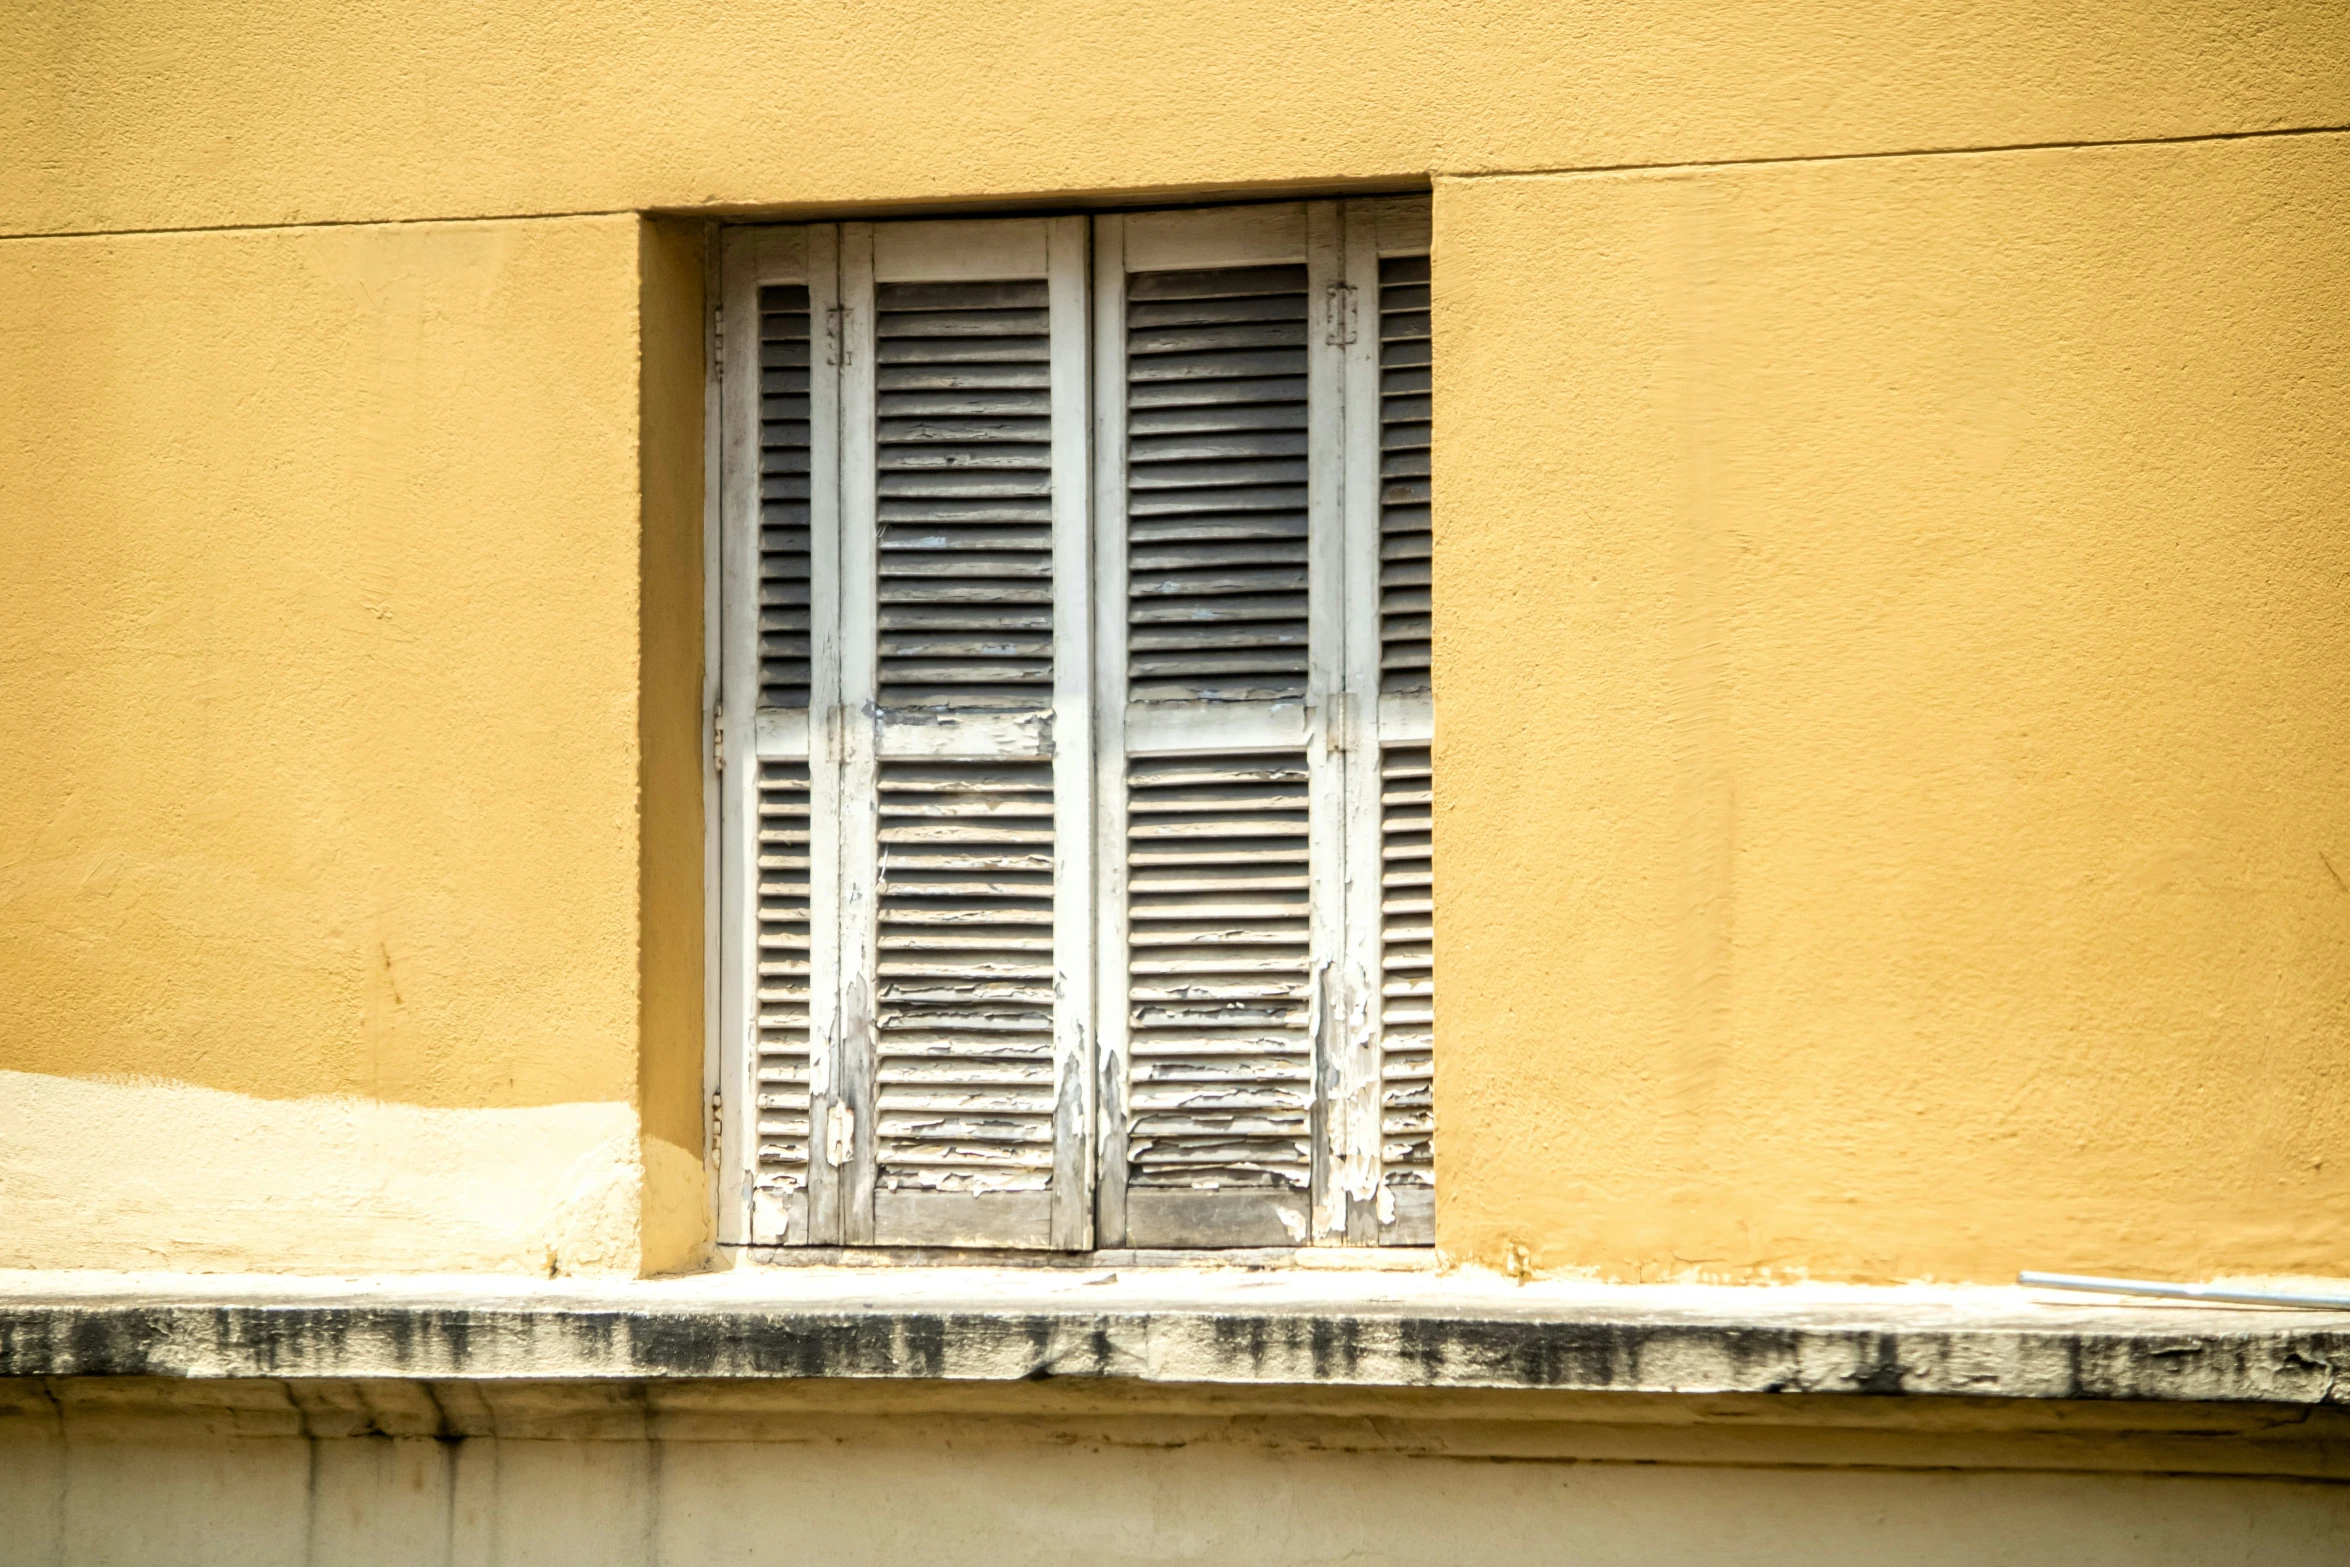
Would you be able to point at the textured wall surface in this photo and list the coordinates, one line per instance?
(320, 846)
(162, 113)
(1894, 734)
(1891, 649)
(260, 1475)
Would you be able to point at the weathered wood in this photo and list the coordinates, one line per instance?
(1218, 365)
(1285, 389)
(1024, 294)
(1217, 283)
(1151, 315)
(1285, 333)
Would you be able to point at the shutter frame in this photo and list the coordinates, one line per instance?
(1366, 1170)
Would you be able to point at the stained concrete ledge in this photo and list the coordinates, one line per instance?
(1175, 1326)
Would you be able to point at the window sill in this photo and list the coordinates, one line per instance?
(1196, 1326)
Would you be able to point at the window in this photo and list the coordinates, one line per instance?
(1075, 727)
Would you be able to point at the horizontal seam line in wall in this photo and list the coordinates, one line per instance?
(1436, 175)
(327, 223)
(1906, 152)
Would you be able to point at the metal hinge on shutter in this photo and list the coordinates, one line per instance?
(836, 336)
(718, 738)
(1341, 318)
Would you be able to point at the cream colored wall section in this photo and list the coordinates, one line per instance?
(163, 113)
(164, 1175)
(1894, 677)
(321, 656)
(88, 1481)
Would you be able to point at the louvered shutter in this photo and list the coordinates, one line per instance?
(779, 463)
(1391, 792)
(955, 905)
(1216, 398)
(1261, 469)
(966, 750)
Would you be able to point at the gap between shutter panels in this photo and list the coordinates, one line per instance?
(963, 454)
(1407, 990)
(1220, 970)
(782, 979)
(1216, 484)
(783, 496)
(964, 977)
(1404, 422)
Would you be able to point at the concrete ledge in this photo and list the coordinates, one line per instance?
(1175, 1326)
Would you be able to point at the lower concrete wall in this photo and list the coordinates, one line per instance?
(91, 1474)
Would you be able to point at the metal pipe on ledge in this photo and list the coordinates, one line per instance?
(2221, 1294)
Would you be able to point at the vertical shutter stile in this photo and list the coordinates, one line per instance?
(847, 1147)
(1074, 781)
(1355, 1109)
(1112, 1043)
(1344, 1173)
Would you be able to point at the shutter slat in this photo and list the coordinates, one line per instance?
(1150, 316)
(1218, 283)
(1201, 398)
(964, 977)
(783, 479)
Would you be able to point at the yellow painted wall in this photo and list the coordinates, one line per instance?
(1894, 714)
(166, 113)
(320, 853)
(1891, 649)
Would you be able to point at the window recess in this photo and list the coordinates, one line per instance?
(1075, 580)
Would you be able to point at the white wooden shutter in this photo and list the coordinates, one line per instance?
(1391, 784)
(1261, 468)
(966, 784)
(779, 466)
(936, 858)
(1219, 804)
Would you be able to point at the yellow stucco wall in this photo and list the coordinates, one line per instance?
(1894, 714)
(163, 113)
(1891, 664)
(319, 864)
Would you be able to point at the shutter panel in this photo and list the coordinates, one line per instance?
(779, 496)
(967, 876)
(1404, 420)
(1388, 256)
(935, 858)
(1215, 393)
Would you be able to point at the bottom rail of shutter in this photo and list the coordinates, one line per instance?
(1183, 1220)
(1018, 1220)
(1414, 1223)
